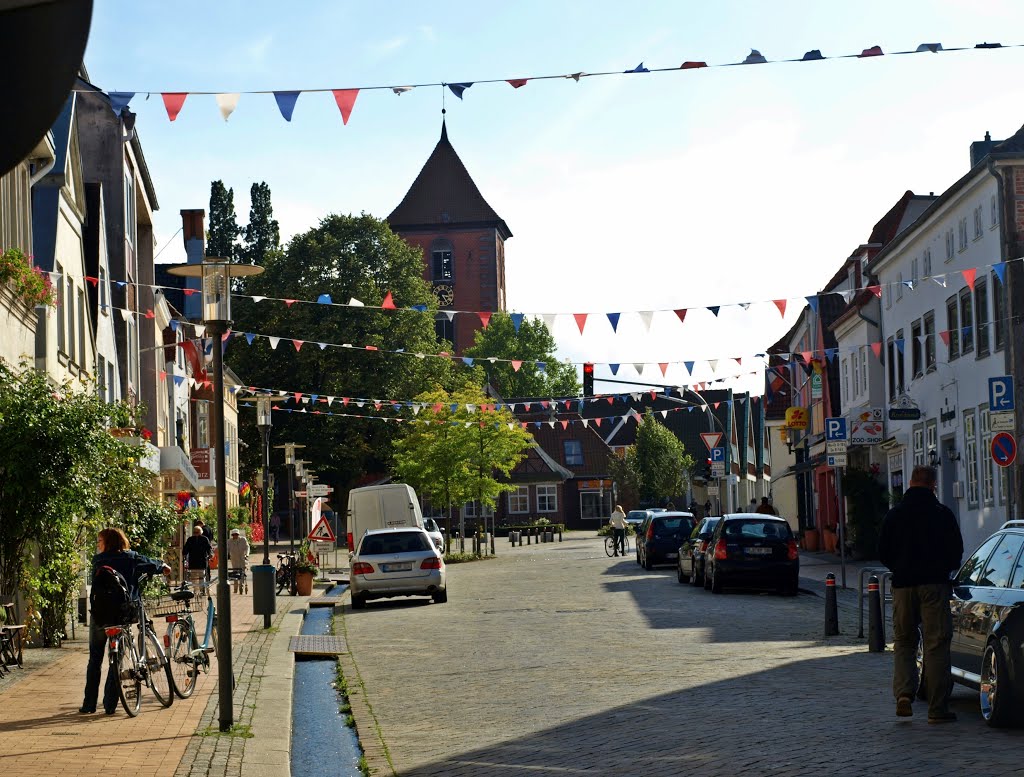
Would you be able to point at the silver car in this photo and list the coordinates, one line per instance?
(396, 562)
(434, 532)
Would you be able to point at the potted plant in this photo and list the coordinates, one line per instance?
(305, 570)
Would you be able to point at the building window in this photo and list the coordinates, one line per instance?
(111, 388)
(864, 372)
(971, 448)
(900, 364)
(81, 327)
(962, 234)
(519, 500)
(899, 288)
(844, 369)
(981, 314)
(103, 291)
(929, 341)
(441, 261)
(977, 223)
(202, 424)
(61, 312)
(573, 450)
(987, 481)
(916, 355)
(101, 378)
(998, 312)
(469, 510)
(927, 262)
(547, 499)
(888, 296)
(913, 272)
(966, 321)
(69, 296)
(949, 245)
(993, 212)
(130, 223)
(918, 444)
(890, 354)
(444, 328)
(953, 327)
(896, 477)
(931, 438)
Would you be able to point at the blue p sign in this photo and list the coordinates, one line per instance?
(718, 454)
(835, 428)
(1000, 394)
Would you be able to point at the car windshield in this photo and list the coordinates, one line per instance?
(754, 529)
(387, 544)
(708, 527)
(666, 527)
(636, 515)
(429, 525)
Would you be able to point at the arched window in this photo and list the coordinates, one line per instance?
(442, 265)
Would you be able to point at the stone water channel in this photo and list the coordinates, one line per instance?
(322, 745)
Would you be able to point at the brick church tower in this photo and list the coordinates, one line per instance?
(463, 242)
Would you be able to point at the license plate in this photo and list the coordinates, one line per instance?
(759, 551)
(395, 567)
(671, 555)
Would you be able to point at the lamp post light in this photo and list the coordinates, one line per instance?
(216, 274)
(289, 462)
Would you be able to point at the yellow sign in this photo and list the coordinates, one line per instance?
(796, 417)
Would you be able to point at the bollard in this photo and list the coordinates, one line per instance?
(519, 534)
(831, 608)
(876, 629)
(529, 536)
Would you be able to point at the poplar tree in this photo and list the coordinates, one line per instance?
(262, 233)
(222, 236)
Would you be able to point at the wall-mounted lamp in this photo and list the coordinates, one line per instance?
(952, 454)
(933, 458)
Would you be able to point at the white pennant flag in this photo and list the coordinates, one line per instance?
(940, 279)
(323, 346)
(330, 401)
(421, 355)
(274, 341)
(282, 393)
(713, 364)
(549, 320)
(200, 329)
(847, 295)
(416, 409)
(355, 303)
(360, 403)
(664, 413)
(585, 423)
(227, 102)
(125, 314)
(551, 424)
(258, 299)
(511, 425)
(646, 316)
(469, 424)
(471, 408)
(639, 367)
(449, 314)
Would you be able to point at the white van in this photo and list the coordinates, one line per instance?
(381, 507)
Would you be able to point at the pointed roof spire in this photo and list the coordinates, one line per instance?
(444, 193)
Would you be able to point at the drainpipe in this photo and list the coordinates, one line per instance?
(42, 172)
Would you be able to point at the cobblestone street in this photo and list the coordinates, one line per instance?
(557, 659)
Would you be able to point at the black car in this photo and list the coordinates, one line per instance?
(690, 565)
(662, 534)
(988, 624)
(752, 550)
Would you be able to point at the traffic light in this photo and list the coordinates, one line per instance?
(707, 470)
(588, 379)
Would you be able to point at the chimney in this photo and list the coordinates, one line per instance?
(193, 234)
(981, 148)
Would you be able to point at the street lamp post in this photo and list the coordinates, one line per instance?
(216, 277)
(264, 600)
(289, 461)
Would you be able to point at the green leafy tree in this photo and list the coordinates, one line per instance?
(655, 466)
(531, 344)
(222, 236)
(262, 234)
(344, 257)
(461, 455)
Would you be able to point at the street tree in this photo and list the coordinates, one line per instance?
(222, 235)
(531, 344)
(655, 466)
(344, 257)
(262, 233)
(460, 448)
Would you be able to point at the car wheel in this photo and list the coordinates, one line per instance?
(716, 582)
(647, 563)
(707, 580)
(358, 602)
(695, 579)
(440, 597)
(995, 700)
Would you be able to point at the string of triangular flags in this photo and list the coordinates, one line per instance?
(345, 98)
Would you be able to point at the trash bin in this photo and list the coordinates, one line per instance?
(264, 600)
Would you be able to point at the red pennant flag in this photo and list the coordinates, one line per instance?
(372, 348)
(190, 292)
(298, 396)
(345, 98)
(389, 302)
(150, 314)
(597, 421)
(877, 348)
(654, 394)
(739, 361)
(173, 102)
(377, 404)
(516, 364)
(876, 290)
(610, 400)
(807, 356)
(517, 82)
(485, 318)
(163, 375)
(545, 404)
(565, 424)
(717, 404)
(664, 366)
(581, 320)
(442, 353)
(781, 305)
(298, 344)
(682, 315)
(944, 336)
(969, 277)
(522, 424)
(92, 280)
(344, 401)
(290, 302)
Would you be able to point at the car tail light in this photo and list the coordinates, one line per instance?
(791, 551)
(362, 568)
(348, 538)
(720, 550)
(650, 531)
(431, 563)
(171, 618)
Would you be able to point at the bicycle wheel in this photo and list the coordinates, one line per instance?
(182, 662)
(282, 579)
(129, 686)
(158, 669)
(609, 545)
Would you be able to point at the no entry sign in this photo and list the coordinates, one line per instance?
(1004, 449)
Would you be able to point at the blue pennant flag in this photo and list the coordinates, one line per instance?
(313, 398)
(179, 379)
(689, 367)
(249, 337)
(714, 309)
(830, 353)
(119, 101)
(420, 308)
(614, 369)
(324, 299)
(517, 321)
(467, 360)
(1000, 271)
(613, 319)
(542, 366)
(813, 302)
(122, 284)
(286, 103)
(899, 344)
(638, 69)
(458, 89)
(454, 407)
(173, 324)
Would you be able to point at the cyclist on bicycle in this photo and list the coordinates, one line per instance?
(112, 551)
(618, 524)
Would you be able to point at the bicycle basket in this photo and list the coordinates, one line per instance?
(164, 604)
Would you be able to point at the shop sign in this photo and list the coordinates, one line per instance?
(797, 417)
(200, 458)
(866, 427)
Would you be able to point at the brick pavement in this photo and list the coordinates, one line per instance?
(558, 659)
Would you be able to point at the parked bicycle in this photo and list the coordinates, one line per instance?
(609, 545)
(286, 573)
(139, 659)
(189, 656)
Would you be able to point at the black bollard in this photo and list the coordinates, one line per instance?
(831, 608)
(876, 629)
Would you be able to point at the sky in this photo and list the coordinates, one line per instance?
(624, 193)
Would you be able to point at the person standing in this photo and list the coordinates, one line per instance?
(275, 527)
(112, 550)
(920, 542)
(197, 552)
(765, 508)
(238, 555)
(618, 524)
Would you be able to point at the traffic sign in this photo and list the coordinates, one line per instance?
(717, 454)
(836, 446)
(1000, 393)
(835, 428)
(322, 531)
(1004, 449)
(711, 439)
(837, 460)
(712, 490)
(319, 489)
(1002, 422)
(300, 493)
(718, 469)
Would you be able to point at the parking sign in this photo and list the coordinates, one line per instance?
(835, 428)
(1000, 394)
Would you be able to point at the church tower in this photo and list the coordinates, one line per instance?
(463, 242)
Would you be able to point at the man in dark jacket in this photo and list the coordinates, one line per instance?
(921, 544)
(197, 552)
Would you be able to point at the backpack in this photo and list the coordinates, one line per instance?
(110, 600)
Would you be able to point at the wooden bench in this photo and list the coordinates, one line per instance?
(12, 640)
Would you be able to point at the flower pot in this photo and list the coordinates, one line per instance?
(831, 540)
(304, 583)
(122, 431)
(811, 539)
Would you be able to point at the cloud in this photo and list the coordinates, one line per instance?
(382, 49)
